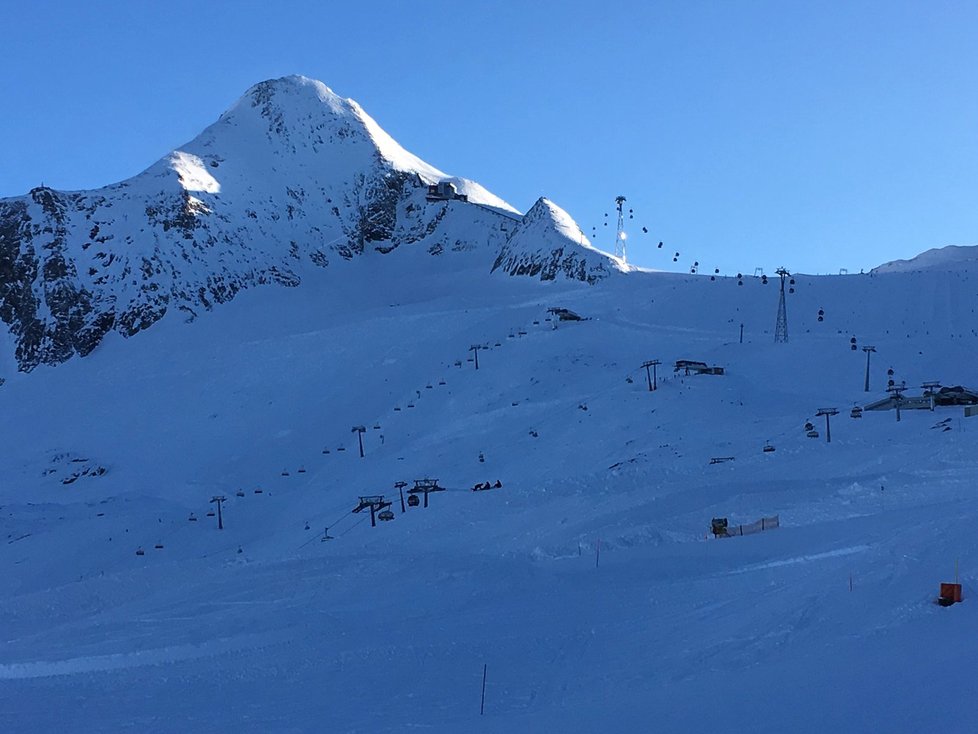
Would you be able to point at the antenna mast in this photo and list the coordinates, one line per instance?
(620, 236)
(781, 328)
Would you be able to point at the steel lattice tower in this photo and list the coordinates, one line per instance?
(781, 328)
(620, 236)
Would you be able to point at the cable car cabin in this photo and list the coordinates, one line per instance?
(856, 412)
(385, 515)
(444, 191)
(239, 493)
(768, 448)
(413, 500)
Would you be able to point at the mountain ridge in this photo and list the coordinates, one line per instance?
(290, 177)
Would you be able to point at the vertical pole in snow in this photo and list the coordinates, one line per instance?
(868, 351)
(850, 582)
(475, 350)
(827, 412)
(741, 333)
(218, 499)
(485, 671)
(359, 430)
(401, 490)
(597, 553)
(652, 375)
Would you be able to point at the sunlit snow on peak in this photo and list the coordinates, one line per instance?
(193, 174)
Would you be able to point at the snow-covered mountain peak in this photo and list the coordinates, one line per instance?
(292, 177)
(297, 131)
(296, 107)
(548, 242)
(544, 212)
(951, 257)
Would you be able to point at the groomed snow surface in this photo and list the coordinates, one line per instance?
(587, 584)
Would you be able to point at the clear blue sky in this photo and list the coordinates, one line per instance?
(817, 135)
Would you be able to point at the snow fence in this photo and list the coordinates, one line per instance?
(758, 526)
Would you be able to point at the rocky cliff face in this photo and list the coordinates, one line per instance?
(548, 244)
(291, 177)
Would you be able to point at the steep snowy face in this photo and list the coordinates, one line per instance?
(549, 244)
(291, 177)
(950, 258)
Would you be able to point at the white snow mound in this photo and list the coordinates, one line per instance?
(952, 257)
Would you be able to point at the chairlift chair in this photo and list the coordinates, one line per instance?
(385, 515)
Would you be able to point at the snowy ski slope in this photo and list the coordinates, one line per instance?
(586, 584)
